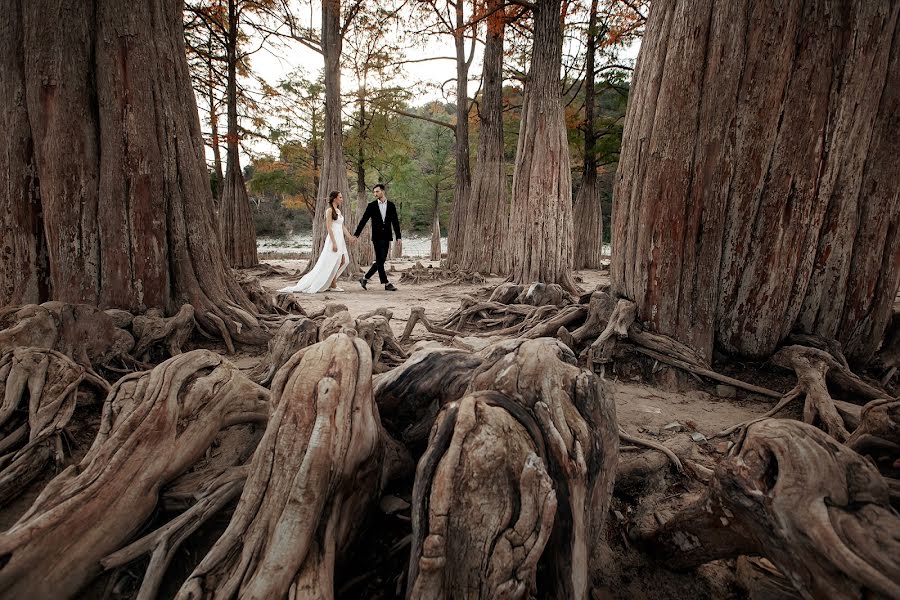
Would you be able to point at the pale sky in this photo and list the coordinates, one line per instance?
(273, 65)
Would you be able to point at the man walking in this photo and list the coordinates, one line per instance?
(384, 217)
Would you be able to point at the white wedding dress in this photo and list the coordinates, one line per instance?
(329, 264)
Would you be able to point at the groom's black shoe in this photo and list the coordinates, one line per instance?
(390, 287)
(363, 282)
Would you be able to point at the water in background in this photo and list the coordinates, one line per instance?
(301, 243)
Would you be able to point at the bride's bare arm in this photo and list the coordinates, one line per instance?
(330, 230)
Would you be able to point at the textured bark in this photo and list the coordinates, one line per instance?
(235, 217)
(322, 461)
(293, 335)
(154, 427)
(540, 223)
(754, 209)
(487, 217)
(456, 233)
(334, 168)
(571, 420)
(116, 151)
(588, 210)
(24, 270)
(484, 504)
(819, 511)
(435, 253)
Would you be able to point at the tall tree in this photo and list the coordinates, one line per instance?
(766, 201)
(540, 224)
(105, 197)
(487, 214)
(235, 218)
(588, 210)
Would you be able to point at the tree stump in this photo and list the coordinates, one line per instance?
(322, 461)
(293, 335)
(484, 504)
(571, 418)
(818, 510)
(154, 426)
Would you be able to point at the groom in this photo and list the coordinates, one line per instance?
(384, 216)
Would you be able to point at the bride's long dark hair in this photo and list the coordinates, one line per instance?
(331, 198)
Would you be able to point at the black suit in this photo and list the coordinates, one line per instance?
(381, 234)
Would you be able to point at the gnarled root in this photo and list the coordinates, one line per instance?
(417, 315)
(153, 328)
(48, 382)
(878, 435)
(483, 503)
(376, 331)
(319, 465)
(293, 335)
(544, 294)
(84, 333)
(154, 427)
(623, 315)
(818, 510)
(576, 418)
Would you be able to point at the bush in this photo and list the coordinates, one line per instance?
(274, 220)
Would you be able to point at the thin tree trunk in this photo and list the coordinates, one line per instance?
(235, 217)
(588, 210)
(364, 248)
(436, 226)
(125, 205)
(754, 210)
(487, 217)
(334, 168)
(456, 233)
(216, 144)
(541, 229)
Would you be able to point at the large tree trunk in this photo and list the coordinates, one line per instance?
(216, 144)
(116, 150)
(24, 270)
(235, 218)
(364, 249)
(436, 227)
(588, 210)
(540, 223)
(487, 217)
(334, 168)
(456, 233)
(765, 201)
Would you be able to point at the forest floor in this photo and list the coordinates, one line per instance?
(665, 406)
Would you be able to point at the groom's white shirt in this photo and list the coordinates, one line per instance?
(382, 207)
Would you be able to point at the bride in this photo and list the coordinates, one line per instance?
(333, 259)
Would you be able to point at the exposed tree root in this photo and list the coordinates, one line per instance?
(417, 315)
(571, 420)
(46, 382)
(293, 335)
(818, 510)
(152, 329)
(84, 333)
(419, 273)
(878, 435)
(322, 461)
(154, 427)
(484, 504)
(375, 330)
(288, 304)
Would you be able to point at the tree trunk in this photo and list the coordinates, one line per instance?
(588, 210)
(24, 268)
(235, 217)
(216, 144)
(334, 168)
(125, 209)
(487, 217)
(763, 202)
(364, 246)
(540, 225)
(456, 233)
(436, 227)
